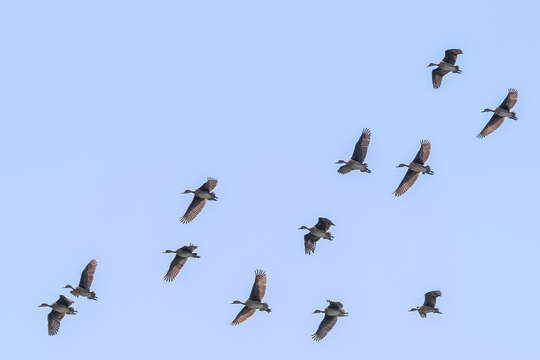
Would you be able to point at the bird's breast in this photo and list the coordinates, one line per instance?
(203, 194)
(502, 112)
(447, 66)
(332, 312)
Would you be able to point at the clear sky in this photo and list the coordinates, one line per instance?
(111, 109)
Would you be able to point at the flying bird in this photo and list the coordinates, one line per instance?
(320, 230)
(254, 301)
(429, 304)
(199, 199)
(500, 113)
(59, 308)
(448, 64)
(87, 276)
(356, 162)
(331, 314)
(182, 254)
(415, 167)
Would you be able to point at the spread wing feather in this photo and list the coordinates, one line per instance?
(430, 298)
(87, 275)
(176, 264)
(324, 224)
(309, 243)
(193, 209)
(259, 286)
(53, 322)
(491, 126)
(325, 326)
(243, 315)
(361, 147)
(408, 181)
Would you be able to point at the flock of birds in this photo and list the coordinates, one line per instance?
(319, 231)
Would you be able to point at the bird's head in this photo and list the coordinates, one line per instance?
(303, 228)
(402, 165)
(432, 64)
(341, 162)
(44, 305)
(318, 311)
(237, 302)
(414, 309)
(169, 251)
(68, 287)
(487, 110)
(188, 191)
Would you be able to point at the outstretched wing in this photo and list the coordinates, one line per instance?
(209, 185)
(62, 300)
(324, 327)
(243, 315)
(53, 320)
(423, 154)
(408, 181)
(335, 305)
(176, 264)
(436, 77)
(189, 247)
(259, 286)
(431, 298)
(193, 210)
(309, 243)
(510, 99)
(87, 275)
(491, 126)
(360, 149)
(324, 224)
(344, 169)
(450, 56)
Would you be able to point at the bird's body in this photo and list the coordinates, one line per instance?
(499, 113)
(331, 314)
(200, 196)
(356, 162)
(447, 65)
(414, 168)
(320, 230)
(60, 307)
(420, 168)
(182, 254)
(430, 298)
(254, 302)
(87, 277)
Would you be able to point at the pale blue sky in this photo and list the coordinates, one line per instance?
(110, 109)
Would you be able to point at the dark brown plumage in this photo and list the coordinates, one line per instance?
(411, 175)
(87, 277)
(430, 299)
(203, 193)
(356, 162)
(182, 254)
(53, 322)
(332, 312)
(315, 233)
(254, 301)
(59, 308)
(450, 57)
(496, 120)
